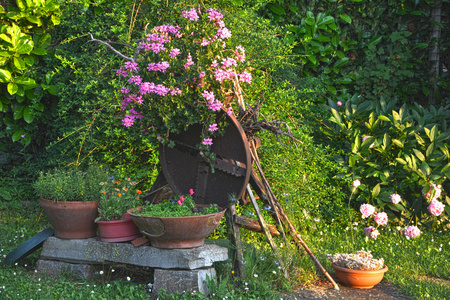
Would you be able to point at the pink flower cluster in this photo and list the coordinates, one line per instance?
(181, 200)
(396, 198)
(174, 52)
(412, 232)
(189, 61)
(381, 218)
(190, 14)
(371, 232)
(207, 142)
(366, 210)
(245, 77)
(436, 208)
(131, 117)
(213, 104)
(160, 66)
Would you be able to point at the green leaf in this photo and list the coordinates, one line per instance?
(430, 149)
(376, 191)
(384, 118)
(18, 112)
(433, 133)
(425, 168)
(5, 75)
(55, 20)
(375, 40)
(24, 46)
(341, 62)
(28, 114)
(275, 8)
(39, 51)
(313, 59)
(397, 143)
(18, 135)
(346, 18)
(420, 46)
(19, 63)
(29, 60)
(25, 81)
(419, 154)
(12, 88)
(400, 160)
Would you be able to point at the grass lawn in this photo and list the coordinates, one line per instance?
(419, 267)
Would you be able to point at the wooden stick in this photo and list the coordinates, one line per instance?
(266, 230)
(235, 240)
(292, 230)
(254, 225)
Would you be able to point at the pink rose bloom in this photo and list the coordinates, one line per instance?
(356, 183)
(381, 218)
(366, 210)
(191, 192)
(371, 232)
(437, 191)
(412, 232)
(396, 199)
(436, 208)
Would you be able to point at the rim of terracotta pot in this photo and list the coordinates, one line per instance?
(383, 270)
(62, 202)
(131, 210)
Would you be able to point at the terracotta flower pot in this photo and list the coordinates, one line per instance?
(118, 231)
(72, 219)
(359, 279)
(176, 232)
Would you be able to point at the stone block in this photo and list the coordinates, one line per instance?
(182, 280)
(56, 268)
(94, 251)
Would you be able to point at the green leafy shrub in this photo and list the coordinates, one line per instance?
(24, 38)
(71, 185)
(392, 151)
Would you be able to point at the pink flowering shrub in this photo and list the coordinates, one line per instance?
(181, 75)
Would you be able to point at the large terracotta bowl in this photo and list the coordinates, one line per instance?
(176, 232)
(359, 279)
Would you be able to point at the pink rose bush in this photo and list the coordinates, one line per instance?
(180, 74)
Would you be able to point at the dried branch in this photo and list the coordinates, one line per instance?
(108, 44)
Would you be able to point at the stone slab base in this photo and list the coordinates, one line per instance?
(56, 268)
(182, 280)
(175, 270)
(94, 251)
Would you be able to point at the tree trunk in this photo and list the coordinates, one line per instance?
(434, 49)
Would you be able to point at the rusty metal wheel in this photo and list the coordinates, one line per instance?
(184, 167)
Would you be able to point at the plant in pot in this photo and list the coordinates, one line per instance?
(116, 197)
(182, 74)
(177, 222)
(69, 198)
(358, 270)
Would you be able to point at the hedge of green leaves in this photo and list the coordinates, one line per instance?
(392, 151)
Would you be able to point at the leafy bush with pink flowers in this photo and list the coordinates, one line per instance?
(400, 157)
